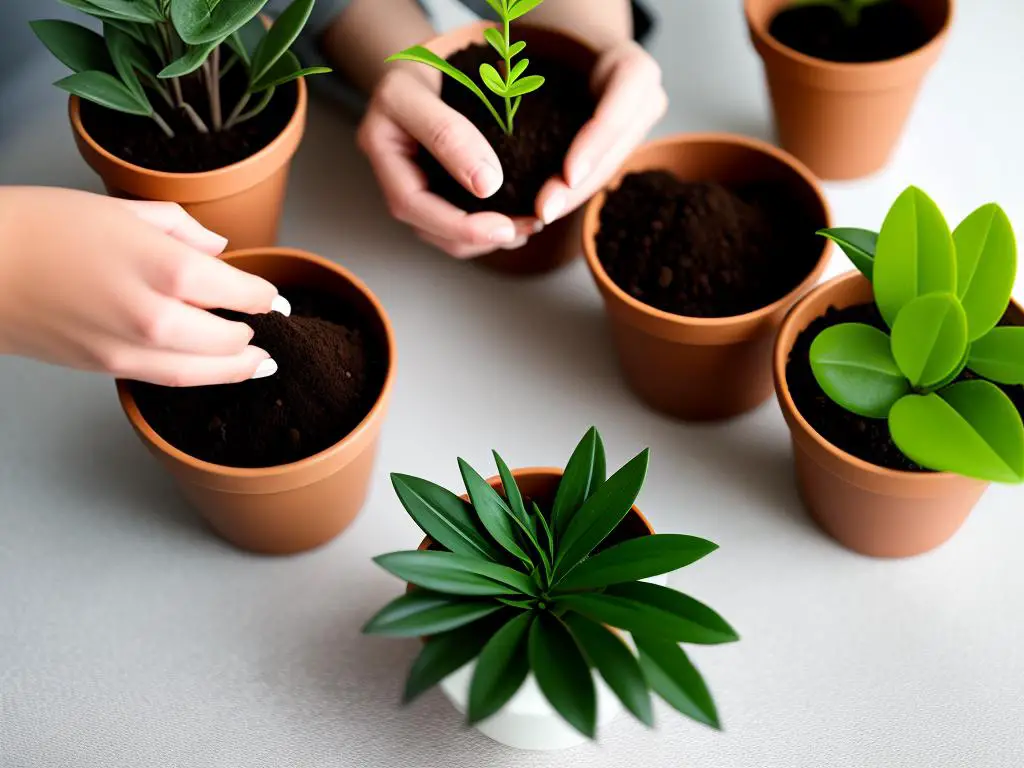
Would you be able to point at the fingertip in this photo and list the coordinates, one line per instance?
(486, 180)
(552, 202)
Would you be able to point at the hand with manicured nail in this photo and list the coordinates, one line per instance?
(121, 287)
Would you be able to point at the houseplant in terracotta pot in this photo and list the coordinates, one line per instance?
(282, 464)
(532, 99)
(844, 74)
(182, 103)
(901, 382)
(518, 591)
(698, 251)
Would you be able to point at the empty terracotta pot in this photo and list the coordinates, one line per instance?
(294, 507)
(692, 368)
(843, 120)
(242, 202)
(871, 510)
(557, 244)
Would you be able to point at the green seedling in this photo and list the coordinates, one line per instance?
(521, 589)
(512, 83)
(149, 47)
(849, 10)
(942, 296)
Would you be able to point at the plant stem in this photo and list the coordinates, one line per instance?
(260, 106)
(163, 124)
(508, 77)
(233, 117)
(197, 121)
(212, 70)
(159, 87)
(228, 66)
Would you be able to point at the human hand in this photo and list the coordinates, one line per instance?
(116, 286)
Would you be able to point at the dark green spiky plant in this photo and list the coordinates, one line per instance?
(849, 10)
(523, 588)
(150, 47)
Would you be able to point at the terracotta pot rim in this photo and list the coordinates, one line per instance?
(592, 221)
(295, 123)
(760, 28)
(376, 412)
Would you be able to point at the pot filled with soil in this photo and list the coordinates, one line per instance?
(282, 464)
(894, 441)
(699, 247)
(844, 75)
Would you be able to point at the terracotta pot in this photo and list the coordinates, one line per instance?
(557, 244)
(293, 507)
(843, 120)
(871, 510)
(242, 202)
(703, 369)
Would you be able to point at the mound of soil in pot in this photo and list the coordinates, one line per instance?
(886, 31)
(543, 130)
(140, 141)
(701, 249)
(867, 439)
(331, 371)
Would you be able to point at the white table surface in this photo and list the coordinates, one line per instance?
(130, 636)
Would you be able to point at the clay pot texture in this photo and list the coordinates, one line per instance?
(242, 202)
(843, 120)
(557, 244)
(691, 368)
(871, 510)
(294, 507)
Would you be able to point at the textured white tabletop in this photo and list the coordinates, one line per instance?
(129, 636)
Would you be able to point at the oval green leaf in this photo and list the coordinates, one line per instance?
(519, 69)
(124, 10)
(202, 22)
(454, 574)
(279, 38)
(494, 37)
(637, 559)
(105, 90)
(494, 513)
(854, 366)
(584, 472)
(492, 79)
(986, 253)
(674, 678)
(78, 48)
(929, 338)
(526, 85)
(129, 59)
(519, 8)
(999, 355)
(501, 669)
(563, 674)
(192, 60)
(858, 244)
(516, 48)
(422, 613)
(716, 629)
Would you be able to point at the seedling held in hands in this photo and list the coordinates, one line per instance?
(942, 296)
(149, 47)
(850, 10)
(524, 589)
(511, 84)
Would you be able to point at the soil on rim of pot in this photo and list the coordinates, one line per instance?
(543, 130)
(138, 140)
(331, 371)
(701, 249)
(867, 439)
(886, 31)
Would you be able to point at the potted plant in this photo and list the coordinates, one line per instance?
(698, 251)
(180, 100)
(529, 109)
(520, 591)
(282, 464)
(901, 383)
(844, 74)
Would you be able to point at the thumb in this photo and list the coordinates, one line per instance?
(173, 220)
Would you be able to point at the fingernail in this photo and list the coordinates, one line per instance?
(516, 244)
(486, 180)
(214, 241)
(282, 305)
(554, 207)
(266, 368)
(579, 173)
(504, 234)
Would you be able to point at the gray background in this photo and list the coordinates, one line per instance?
(129, 636)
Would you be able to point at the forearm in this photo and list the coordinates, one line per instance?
(602, 23)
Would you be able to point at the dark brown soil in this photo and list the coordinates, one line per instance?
(886, 31)
(700, 249)
(867, 439)
(544, 129)
(138, 140)
(331, 371)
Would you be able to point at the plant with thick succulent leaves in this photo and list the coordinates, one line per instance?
(149, 46)
(522, 589)
(942, 296)
(511, 84)
(849, 10)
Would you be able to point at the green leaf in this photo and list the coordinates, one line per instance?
(207, 20)
(525, 86)
(955, 373)
(492, 79)
(518, 69)
(582, 476)
(246, 39)
(497, 6)
(673, 677)
(129, 59)
(497, 41)
(854, 366)
(279, 38)
(76, 47)
(286, 69)
(601, 513)
(999, 355)
(512, 492)
(549, 535)
(986, 252)
(422, 613)
(616, 664)
(192, 60)
(521, 8)
(516, 48)
(929, 338)
(501, 669)
(716, 630)
(637, 559)
(858, 244)
(456, 574)
(493, 512)
(444, 517)
(124, 10)
(972, 429)
(105, 90)
(562, 673)
(914, 255)
(447, 653)
(139, 32)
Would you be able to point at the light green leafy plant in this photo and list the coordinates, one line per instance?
(149, 46)
(850, 10)
(942, 296)
(521, 589)
(511, 84)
